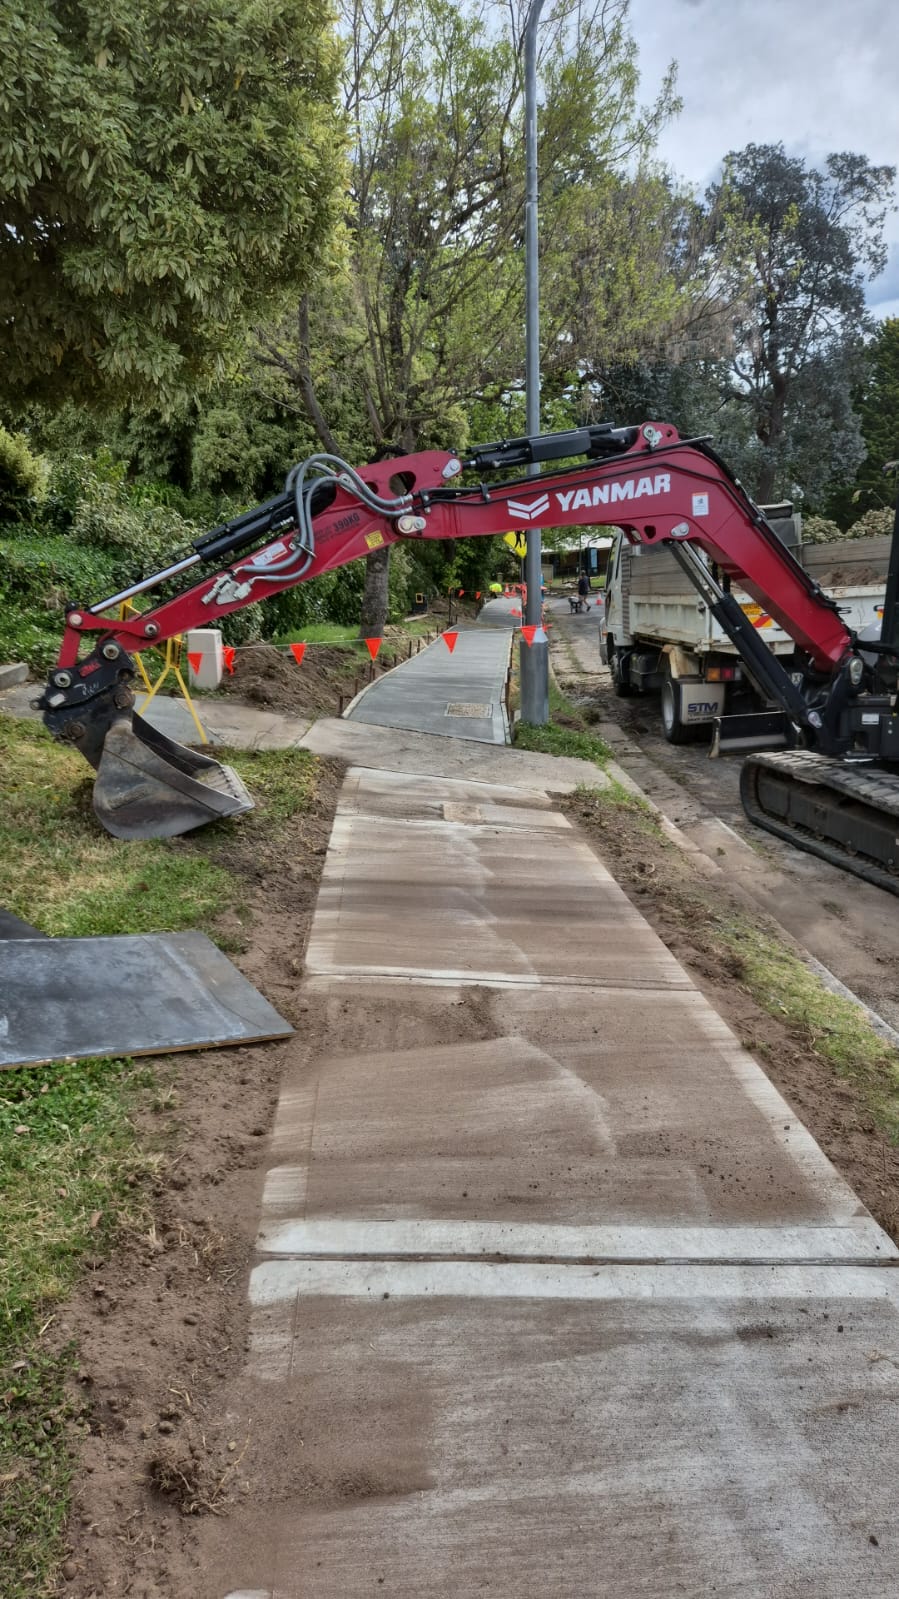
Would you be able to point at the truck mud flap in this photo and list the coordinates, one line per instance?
(847, 816)
(756, 730)
(148, 786)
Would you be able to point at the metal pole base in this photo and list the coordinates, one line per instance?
(534, 667)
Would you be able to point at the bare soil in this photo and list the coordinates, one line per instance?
(160, 1326)
(271, 678)
(268, 676)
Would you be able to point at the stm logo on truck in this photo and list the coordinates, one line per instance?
(633, 488)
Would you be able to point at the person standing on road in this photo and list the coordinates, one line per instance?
(583, 590)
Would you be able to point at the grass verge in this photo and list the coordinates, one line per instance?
(73, 1167)
(566, 733)
(740, 945)
(832, 1027)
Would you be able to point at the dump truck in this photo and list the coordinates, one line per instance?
(657, 635)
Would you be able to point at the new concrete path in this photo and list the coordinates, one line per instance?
(554, 1295)
(458, 694)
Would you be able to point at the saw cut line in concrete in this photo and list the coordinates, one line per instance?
(275, 1282)
(861, 1241)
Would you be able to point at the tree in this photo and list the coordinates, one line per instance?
(431, 312)
(877, 407)
(168, 169)
(799, 244)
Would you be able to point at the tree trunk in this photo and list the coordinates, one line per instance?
(770, 437)
(374, 598)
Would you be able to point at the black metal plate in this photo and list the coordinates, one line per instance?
(67, 998)
(12, 927)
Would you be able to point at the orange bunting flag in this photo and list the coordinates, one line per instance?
(515, 610)
(477, 594)
(449, 640)
(374, 644)
(195, 657)
(228, 652)
(529, 633)
(461, 594)
(298, 651)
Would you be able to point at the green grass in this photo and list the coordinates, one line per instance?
(555, 740)
(566, 733)
(70, 1177)
(319, 633)
(335, 633)
(62, 873)
(282, 782)
(834, 1027)
(72, 1167)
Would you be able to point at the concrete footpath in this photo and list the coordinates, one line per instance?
(554, 1296)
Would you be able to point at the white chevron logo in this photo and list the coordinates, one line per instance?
(526, 513)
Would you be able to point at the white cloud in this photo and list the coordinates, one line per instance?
(816, 75)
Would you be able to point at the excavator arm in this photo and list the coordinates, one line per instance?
(662, 490)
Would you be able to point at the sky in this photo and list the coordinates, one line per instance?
(815, 75)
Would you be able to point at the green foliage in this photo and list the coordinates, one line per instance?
(168, 169)
(822, 530)
(92, 534)
(22, 476)
(796, 245)
(554, 740)
(875, 524)
(877, 403)
(819, 530)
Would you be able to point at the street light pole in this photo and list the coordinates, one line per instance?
(534, 659)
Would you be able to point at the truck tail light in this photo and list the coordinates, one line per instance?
(722, 674)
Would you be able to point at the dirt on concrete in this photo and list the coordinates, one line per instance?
(685, 899)
(159, 1326)
(850, 926)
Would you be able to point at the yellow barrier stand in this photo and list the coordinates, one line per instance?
(126, 609)
(171, 659)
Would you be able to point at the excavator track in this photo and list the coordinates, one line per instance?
(848, 815)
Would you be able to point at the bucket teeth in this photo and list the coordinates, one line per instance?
(148, 786)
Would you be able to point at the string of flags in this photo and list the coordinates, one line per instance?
(530, 632)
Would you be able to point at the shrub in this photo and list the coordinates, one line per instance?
(874, 524)
(23, 476)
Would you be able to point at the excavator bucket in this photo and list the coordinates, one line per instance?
(148, 786)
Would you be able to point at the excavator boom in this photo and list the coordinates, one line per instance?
(839, 697)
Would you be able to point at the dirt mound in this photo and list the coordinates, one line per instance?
(264, 675)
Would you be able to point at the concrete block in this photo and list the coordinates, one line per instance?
(15, 672)
(205, 642)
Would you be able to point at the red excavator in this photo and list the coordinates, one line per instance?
(833, 785)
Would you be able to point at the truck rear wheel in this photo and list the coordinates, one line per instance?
(618, 668)
(676, 730)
